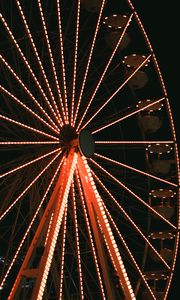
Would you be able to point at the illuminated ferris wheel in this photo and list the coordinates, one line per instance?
(89, 199)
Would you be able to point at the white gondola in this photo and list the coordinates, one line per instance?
(167, 211)
(161, 167)
(92, 5)
(116, 21)
(139, 80)
(159, 148)
(155, 107)
(163, 235)
(162, 193)
(162, 203)
(113, 37)
(133, 61)
(166, 254)
(115, 25)
(153, 277)
(149, 124)
(156, 275)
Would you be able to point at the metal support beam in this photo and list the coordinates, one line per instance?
(47, 233)
(99, 221)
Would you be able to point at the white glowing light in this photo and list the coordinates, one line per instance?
(39, 62)
(27, 90)
(27, 127)
(89, 60)
(28, 163)
(51, 58)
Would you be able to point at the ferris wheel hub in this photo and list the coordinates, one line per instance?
(83, 141)
(86, 143)
(68, 137)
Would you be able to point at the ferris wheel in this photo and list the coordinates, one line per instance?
(89, 178)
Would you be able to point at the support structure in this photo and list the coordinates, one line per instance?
(99, 222)
(36, 268)
(46, 234)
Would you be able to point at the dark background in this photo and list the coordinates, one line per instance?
(161, 22)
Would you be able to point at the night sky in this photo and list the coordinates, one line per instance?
(161, 23)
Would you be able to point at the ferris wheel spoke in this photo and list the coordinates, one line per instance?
(28, 127)
(51, 59)
(75, 60)
(77, 242)
(63, 254)
(27, 108)
(30, 225)
(89, 61)
(29, 143)
(39, 62)
(105, 70)
(132, 142)
(117, 91)
(135, 169)
(83, 262)
(62, 58)
(133, 194)
(28, 163)
(130, 220)
(129, 252)
(28, 187)
(27, 64)
(127, 116)
(27, 90)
